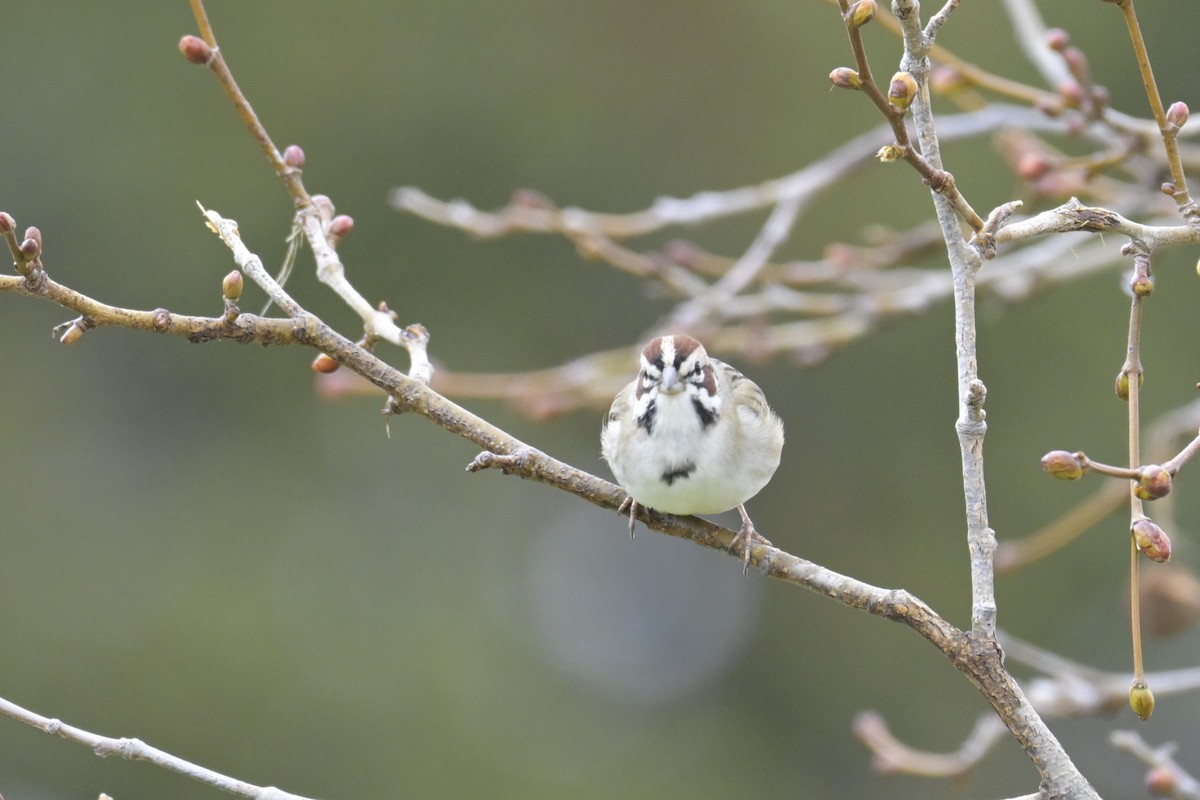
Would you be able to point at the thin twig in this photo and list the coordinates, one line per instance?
(1180, 194)
(137, 750)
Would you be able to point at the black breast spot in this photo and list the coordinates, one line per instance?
(670, 476)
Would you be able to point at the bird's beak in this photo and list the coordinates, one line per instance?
(670, 379)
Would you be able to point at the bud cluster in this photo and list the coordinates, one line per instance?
(1153, 482)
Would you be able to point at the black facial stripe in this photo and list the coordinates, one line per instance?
(707, 416)
(646, 421)
(670, 476)
(646, 381)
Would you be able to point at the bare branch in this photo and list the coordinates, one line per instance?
(137, 750)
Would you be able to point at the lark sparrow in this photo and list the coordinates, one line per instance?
(692, 435)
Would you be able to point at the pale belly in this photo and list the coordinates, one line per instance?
(690, 472)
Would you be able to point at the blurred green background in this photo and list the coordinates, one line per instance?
(201, 552)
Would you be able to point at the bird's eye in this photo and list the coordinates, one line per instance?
(696, 370)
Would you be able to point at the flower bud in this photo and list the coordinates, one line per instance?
(293, 156)
(34, 233)
(1075, 60)
(1057, 39)
(1162, 781)
(195, 49)
(30, 248)
(1063, 465)
(340, 227)
(1177, 114)
(325, 364)
(1049, 108)
(845, 78)
(231, 287)
(1142, 285)
(1032, 165)
(1071, 94)
(7, 223)
(889, 153)
(1153, 482)
(861, 13)
(1141, 700)
(947, 80)
(1168, 189)
(902, 90)
(1122, 387)
(72, 334)
(1151, 540)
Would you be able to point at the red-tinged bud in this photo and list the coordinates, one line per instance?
(1162, 781)
(1177, 115)
(946, 80)
(34, 233)
(195, 49)
(293, 156)
(1075, 60)
(232, 286)
(30, 248)
(902, 90)
(1064, 465)
(1047, 107)
(1141, 700)
(1071, 94)
(861, 13)
(1057, 39)
(340, 227)
(72, 334)
(685, 253)
(1032, 165)
(845, 78)
(1142, 285)
(7, 223)
(325, 364)
(1151, 540)
(1153, 482)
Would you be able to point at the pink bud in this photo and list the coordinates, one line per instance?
(195, 49)
(293, 156)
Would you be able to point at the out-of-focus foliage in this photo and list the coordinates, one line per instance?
(200, 552)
